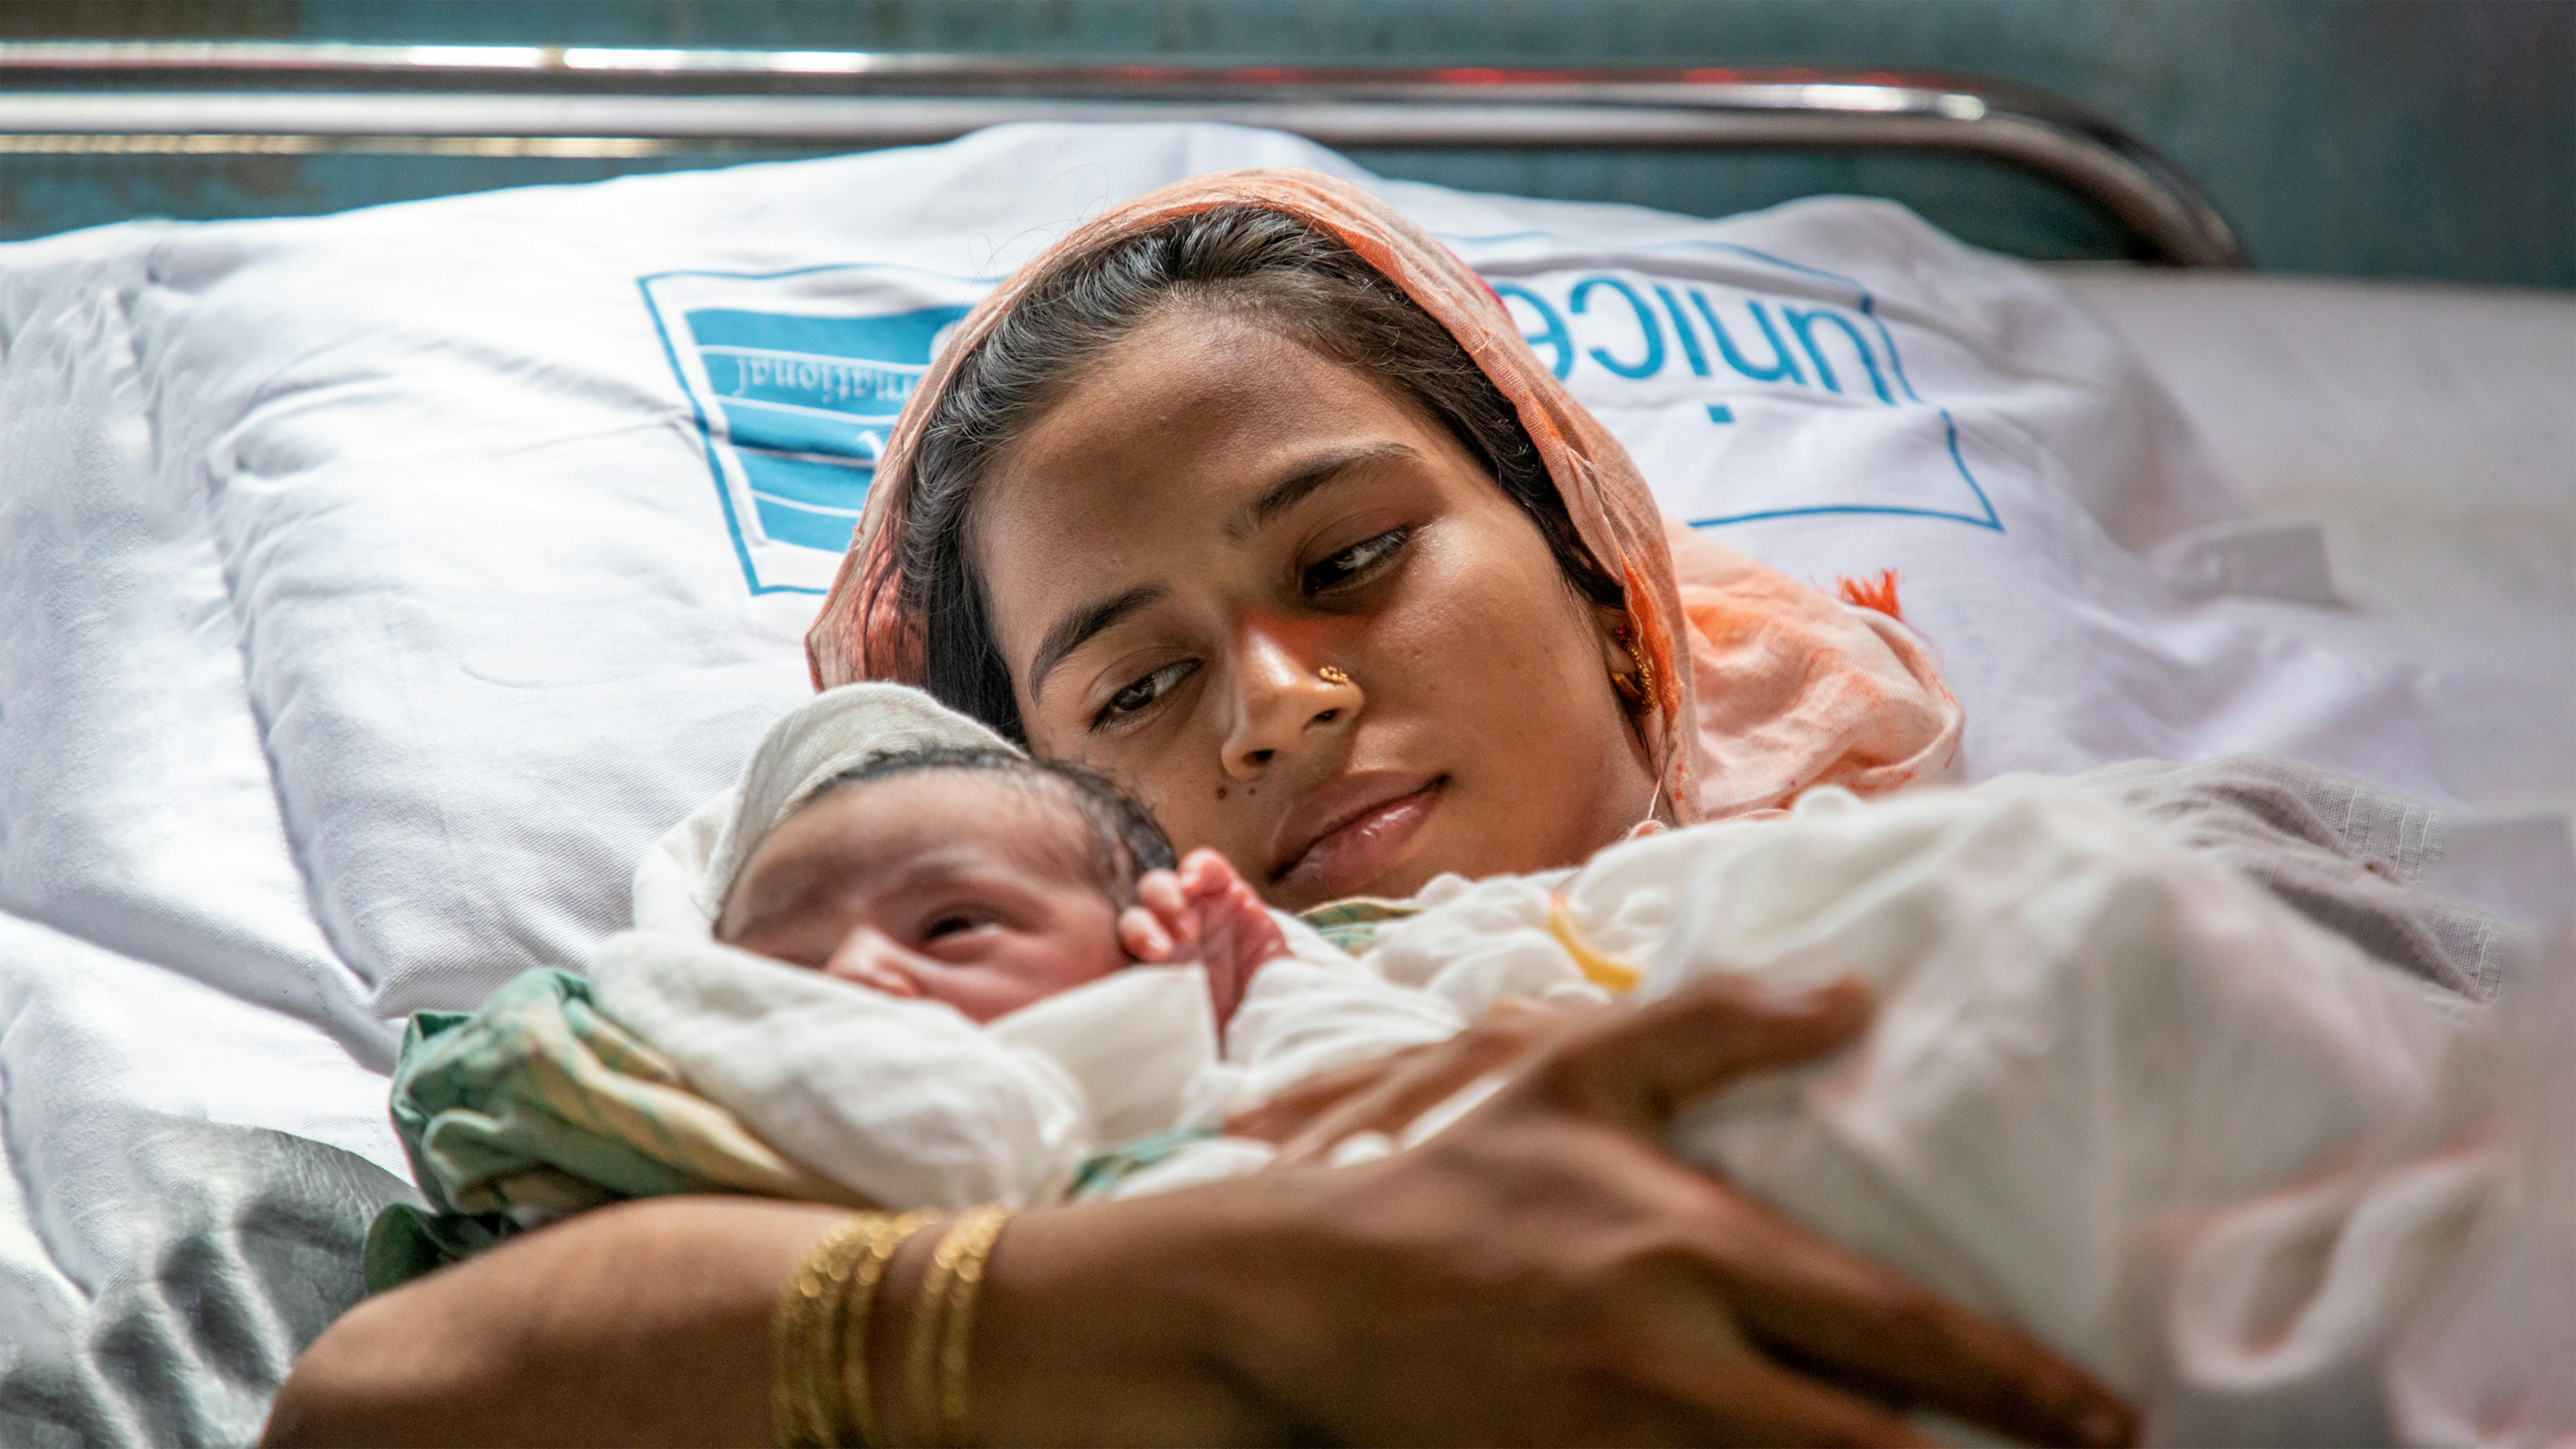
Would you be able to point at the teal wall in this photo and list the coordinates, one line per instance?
(2430, 138)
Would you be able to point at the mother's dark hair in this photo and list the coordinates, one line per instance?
(1244, 260)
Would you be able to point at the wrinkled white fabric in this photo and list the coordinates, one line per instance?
(136, 807)
(906, 1102)
(2115, 1094)
(2483, 1359)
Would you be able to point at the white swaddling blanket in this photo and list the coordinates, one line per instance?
(2115, 1095)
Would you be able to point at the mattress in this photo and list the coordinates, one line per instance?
(2429, 429)
(379, 585)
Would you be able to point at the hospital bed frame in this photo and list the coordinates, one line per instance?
(211, 98)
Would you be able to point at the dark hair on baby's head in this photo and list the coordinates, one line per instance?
(1126, 841)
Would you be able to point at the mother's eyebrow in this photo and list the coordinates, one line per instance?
(1074, 629)
(1308, 476)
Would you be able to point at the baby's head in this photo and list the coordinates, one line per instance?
(973, 876)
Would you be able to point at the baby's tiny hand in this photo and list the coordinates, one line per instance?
(1160, 927)
(1207, 913)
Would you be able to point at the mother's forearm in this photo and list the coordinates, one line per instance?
(649, 1323)
(644, 1323)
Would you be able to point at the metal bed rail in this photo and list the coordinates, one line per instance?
(216, 97)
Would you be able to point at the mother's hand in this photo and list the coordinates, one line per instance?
(1540, 1272)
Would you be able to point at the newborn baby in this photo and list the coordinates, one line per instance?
(981, 878)
(939, 973)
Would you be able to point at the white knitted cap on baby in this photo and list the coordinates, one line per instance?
(684, 879)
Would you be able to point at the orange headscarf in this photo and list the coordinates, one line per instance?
(1784, 688)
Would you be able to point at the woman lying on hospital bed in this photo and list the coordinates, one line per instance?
(1208, 497)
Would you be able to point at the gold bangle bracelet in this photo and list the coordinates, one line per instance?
(921, 1355)
(939, 1302)
(975, 1236)
(800, 1408)
(819, 1336)
(867, 1274)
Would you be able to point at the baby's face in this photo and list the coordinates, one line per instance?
(963, 886)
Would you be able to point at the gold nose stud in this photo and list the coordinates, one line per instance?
(1332, 675)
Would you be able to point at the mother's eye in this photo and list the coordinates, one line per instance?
(1142, 693)
(1355, 563)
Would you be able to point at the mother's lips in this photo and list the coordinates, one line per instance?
(1344, 835)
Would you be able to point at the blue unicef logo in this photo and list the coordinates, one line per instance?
(1747, 386)
(796, 380)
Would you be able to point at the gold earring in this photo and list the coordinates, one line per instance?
(1331, 674)
(1636, 690)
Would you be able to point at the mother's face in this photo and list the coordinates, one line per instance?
(1284, 603)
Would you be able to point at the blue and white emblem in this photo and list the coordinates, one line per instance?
(1747, 387)
(796, 379)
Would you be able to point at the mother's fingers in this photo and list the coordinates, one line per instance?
(1753, 1401)
(1696, 1356)
(1637, 1067)
(1864, 1325)
(1632, 1067)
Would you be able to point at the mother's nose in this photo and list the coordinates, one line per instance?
(1283, 704)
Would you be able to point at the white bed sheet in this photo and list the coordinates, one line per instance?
(2429, 428)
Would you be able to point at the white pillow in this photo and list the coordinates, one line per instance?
(522, 500)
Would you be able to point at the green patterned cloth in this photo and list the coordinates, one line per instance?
(537, 1106)
(1352, 925)
(1101, 1172)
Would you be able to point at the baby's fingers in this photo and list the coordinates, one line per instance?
(1163, 894)
(1203, 872)
(1160, 891)
(1142, 936)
